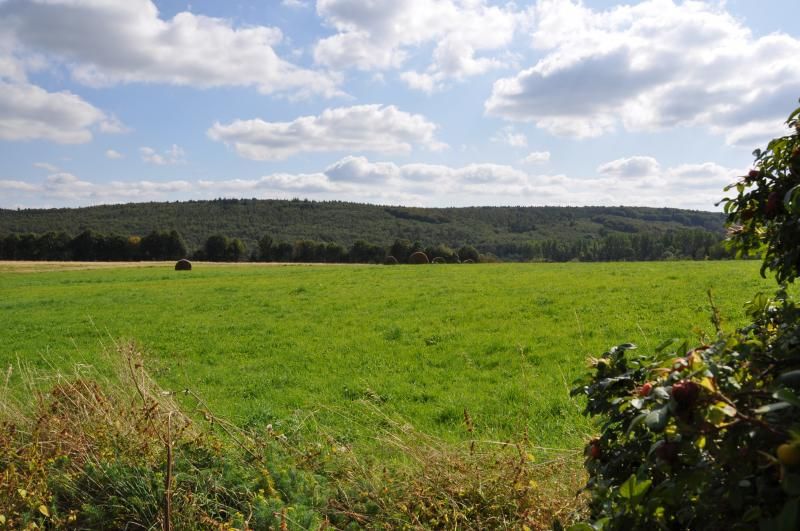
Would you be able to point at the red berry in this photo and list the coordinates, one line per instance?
(667, 452)
(595, 451)
(754, 174)
(685, 393)
(773, 203)
(645, 389)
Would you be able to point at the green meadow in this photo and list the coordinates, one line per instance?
(298, 345)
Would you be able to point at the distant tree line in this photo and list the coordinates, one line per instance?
(692, 244)
(169, 245)
(91, 246)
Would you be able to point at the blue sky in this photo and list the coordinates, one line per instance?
(416, 102)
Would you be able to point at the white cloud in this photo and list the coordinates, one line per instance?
(112, 125)
(46, 166)
(657, 64)
(294, 4)
(536, 157)
(382, 34)
(114, 154)
(19, 186)
(360, 170)
(423, 82)
(28, 112)
(105, 43)
(173, 155)
(374, 128)
(508, 135)
(637, 166)
(65, 188)
(635, 180)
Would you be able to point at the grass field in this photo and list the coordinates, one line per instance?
(275, 344)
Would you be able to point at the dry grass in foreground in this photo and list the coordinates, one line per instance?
(81, 451)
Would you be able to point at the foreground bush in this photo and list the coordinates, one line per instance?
(708, 437)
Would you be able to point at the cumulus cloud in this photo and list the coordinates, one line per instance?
(374, 128)
(46, 166)
(112, 125)
(382, 35)
(536, 157)
(62, 188)
(28, 112)
(638, 180)
(633, 181)
(508, 135)
(10, 185)
(114, 154)
(105, 43)
(294, 4)
(630, 167)
(653, 65)
(173, 155)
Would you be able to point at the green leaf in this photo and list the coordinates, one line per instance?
(666, 343)
(633, 489)
(791, 484)
(580, 527)
(638, 419)
(791, 379)
(660, 392)
(752, 514)
(787, 396)
(791, 199)
(777, 406)
(657, 419)
(716, 416)
(789, 519)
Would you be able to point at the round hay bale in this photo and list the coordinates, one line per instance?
(468, 261)
(390, 260)
(183, 265)
(439, 260)
(418, 258)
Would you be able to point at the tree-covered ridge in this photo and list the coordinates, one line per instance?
(162, 245)
(508, 232)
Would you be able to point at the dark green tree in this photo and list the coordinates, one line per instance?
(216, 248)
(235, 250)
(366, 253)
(265, 248)
(468, 252)
(84, 246)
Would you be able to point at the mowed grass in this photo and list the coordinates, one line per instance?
(292, 344)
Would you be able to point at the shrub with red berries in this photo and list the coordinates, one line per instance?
(763, 218)
(708, 436)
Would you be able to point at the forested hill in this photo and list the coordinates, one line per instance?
(487, 228)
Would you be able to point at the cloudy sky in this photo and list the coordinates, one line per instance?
(415, 102)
